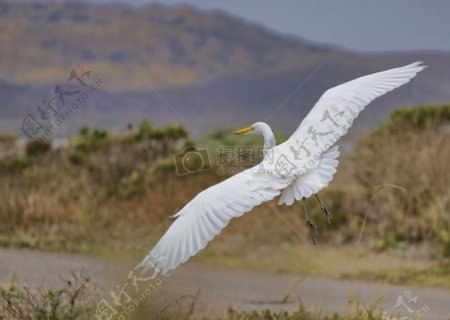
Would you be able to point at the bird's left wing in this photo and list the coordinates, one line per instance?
(332, 116)
(207, 214)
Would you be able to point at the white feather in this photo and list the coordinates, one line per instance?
(313, 181)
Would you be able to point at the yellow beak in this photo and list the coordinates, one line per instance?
(243, 130)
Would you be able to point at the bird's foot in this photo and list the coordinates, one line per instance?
(327, 213)
(313, 231)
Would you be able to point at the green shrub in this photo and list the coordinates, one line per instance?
(169, 132)
(77, 159)
(175, 132)
(145, 130)
(91, 140)
(37, 147)
(417, 118)
(14, 164)
(443, 237)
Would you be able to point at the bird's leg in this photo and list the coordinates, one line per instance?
(325, 210)
(311, 226)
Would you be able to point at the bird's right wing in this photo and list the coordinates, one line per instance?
(207, 214)
(334, 113)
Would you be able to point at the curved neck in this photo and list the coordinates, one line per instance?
(269, 139)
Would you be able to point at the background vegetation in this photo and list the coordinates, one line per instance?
(123, 187)
(74, 301)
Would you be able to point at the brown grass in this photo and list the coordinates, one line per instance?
(416, 163)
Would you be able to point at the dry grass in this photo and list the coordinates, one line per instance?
(78, 299)
(414, 157)
(74, 301)
(355, 311)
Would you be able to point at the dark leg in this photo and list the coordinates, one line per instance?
(311, 226)
(325, 210)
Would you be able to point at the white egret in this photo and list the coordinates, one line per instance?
(297, 169)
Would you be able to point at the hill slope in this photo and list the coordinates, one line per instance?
(178, 64)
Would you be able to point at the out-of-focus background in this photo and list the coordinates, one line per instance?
(114, 114)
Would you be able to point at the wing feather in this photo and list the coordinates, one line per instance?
(207, 214)
(313, 181)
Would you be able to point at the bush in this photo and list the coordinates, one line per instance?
(175, 132)
(77, 159)
(91, 140)
(37, 147)
(443, 237)
(69, 303)
(418, 118)
(14, 165)
(145, 130)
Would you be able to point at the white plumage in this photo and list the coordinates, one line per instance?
(313, 181)
(296, 169)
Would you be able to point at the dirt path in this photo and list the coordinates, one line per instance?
(222, 288)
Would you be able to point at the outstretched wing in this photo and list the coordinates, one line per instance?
(207, 214)
(334, 113)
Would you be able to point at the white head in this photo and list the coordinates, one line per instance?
(262, 129)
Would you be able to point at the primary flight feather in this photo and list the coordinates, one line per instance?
(296, 169)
